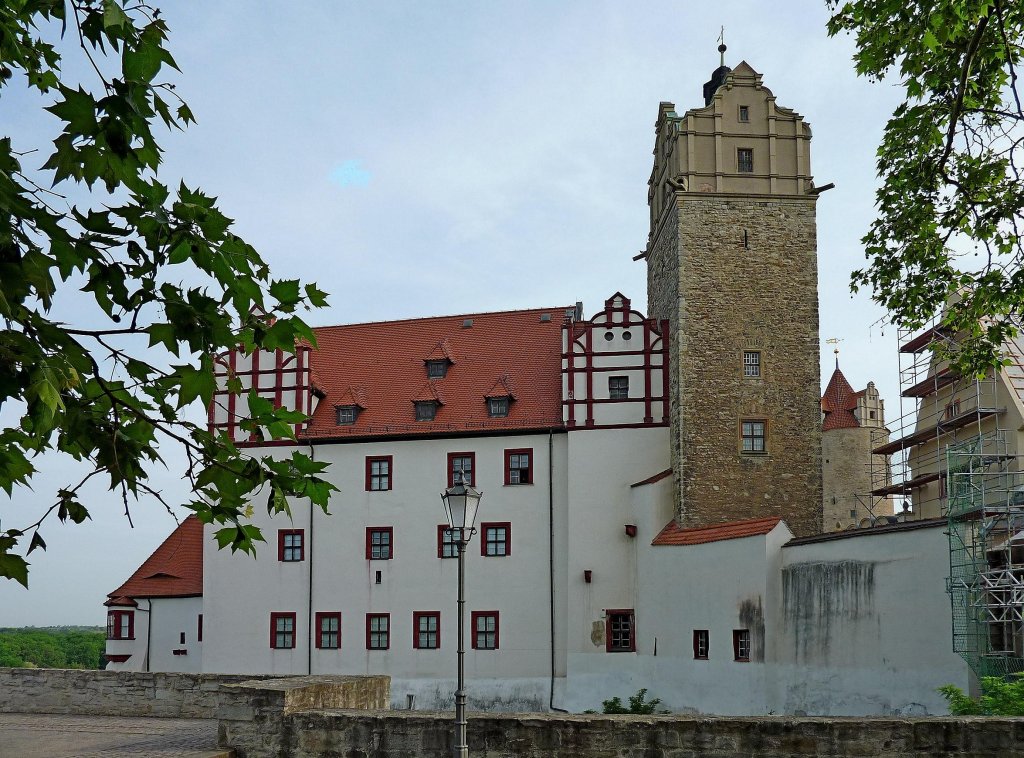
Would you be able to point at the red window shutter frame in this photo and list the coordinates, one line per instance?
(508, 459)
(507, 526)
(472, 466)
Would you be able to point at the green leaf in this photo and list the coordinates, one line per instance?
(113, 16)
(14, 567)
(286, 291)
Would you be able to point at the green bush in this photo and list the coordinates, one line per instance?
(999, 697)
(638, 704)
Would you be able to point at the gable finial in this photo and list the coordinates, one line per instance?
(721, 45)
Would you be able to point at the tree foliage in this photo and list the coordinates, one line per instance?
(170, 284)
(999, 697)
(951, 200)
(52, 648)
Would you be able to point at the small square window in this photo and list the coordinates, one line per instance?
(346, 414)
(290, 547)
(437, 369)
(378, 631)
(460, 468)
(701, 644)
(745, 160)
(379, 543)
(426, 630)
(752, 363)
(619, 635)
(282, 630)
(753, 435)
(447, 545)
(519, 466)
(378, 473)
(328, 626)
(853, 513)
(485, 630)
(741, 644)
(426, 410)
(496, 539)
(618, 387)
(744, 113)
(497, 407)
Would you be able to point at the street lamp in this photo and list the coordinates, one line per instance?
(461, 502)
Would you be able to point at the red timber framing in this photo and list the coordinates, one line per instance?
(283, 378)
(638, 345)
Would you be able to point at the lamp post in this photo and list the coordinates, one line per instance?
(461, 502)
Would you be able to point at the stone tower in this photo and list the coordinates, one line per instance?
(732, 264)
(856, 485)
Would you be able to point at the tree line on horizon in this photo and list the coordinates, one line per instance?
(53, 647)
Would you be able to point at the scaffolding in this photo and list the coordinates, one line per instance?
(986, 554)
(937, 408)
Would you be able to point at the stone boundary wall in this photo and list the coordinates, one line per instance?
(178, 695)
(399, 734)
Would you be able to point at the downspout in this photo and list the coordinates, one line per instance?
(309, 560)
(551, 565)
(149, 633)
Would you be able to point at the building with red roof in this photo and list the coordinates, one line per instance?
(643, 478)
(856, 483)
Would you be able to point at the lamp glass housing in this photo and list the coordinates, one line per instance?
(461, 503)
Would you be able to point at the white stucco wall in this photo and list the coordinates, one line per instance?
(241, 592)
(866, 626)
(159, 623)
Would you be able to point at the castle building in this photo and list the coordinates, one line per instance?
(652, 485)
(853, 424)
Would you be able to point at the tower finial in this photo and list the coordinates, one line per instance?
(835, 341)
(721, 46)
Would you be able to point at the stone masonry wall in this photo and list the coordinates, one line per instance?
(744, 278)
(850, 470)
(133, 693)
(330, 734)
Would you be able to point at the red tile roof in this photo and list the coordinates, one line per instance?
(383, 365)
(838, 404)
(175, 569)
(673, 534)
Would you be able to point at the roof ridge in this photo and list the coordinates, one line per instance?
(561, 308)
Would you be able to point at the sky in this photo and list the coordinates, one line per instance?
(419, 159)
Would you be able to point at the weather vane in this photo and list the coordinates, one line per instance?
(834, 341)
(721, 45)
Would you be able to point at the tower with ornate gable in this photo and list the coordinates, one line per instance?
(732, 265)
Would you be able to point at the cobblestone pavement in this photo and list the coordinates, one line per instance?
(27, 735)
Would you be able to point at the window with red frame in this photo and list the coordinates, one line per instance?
(328, 630)
(460, 468)
(620, 631)
(378, 631)
(495, 539)
(447, 546)
(426, 630)
(378, 473)
(741, 644)
(486, 627)
(701, 644)
(282, 630)
(519, 466)
(290, 545)
(120, 625)
(379, 543)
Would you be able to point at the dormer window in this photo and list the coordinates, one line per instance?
(426, 410)
(437, 369)
(346, 414)
(497, 407)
